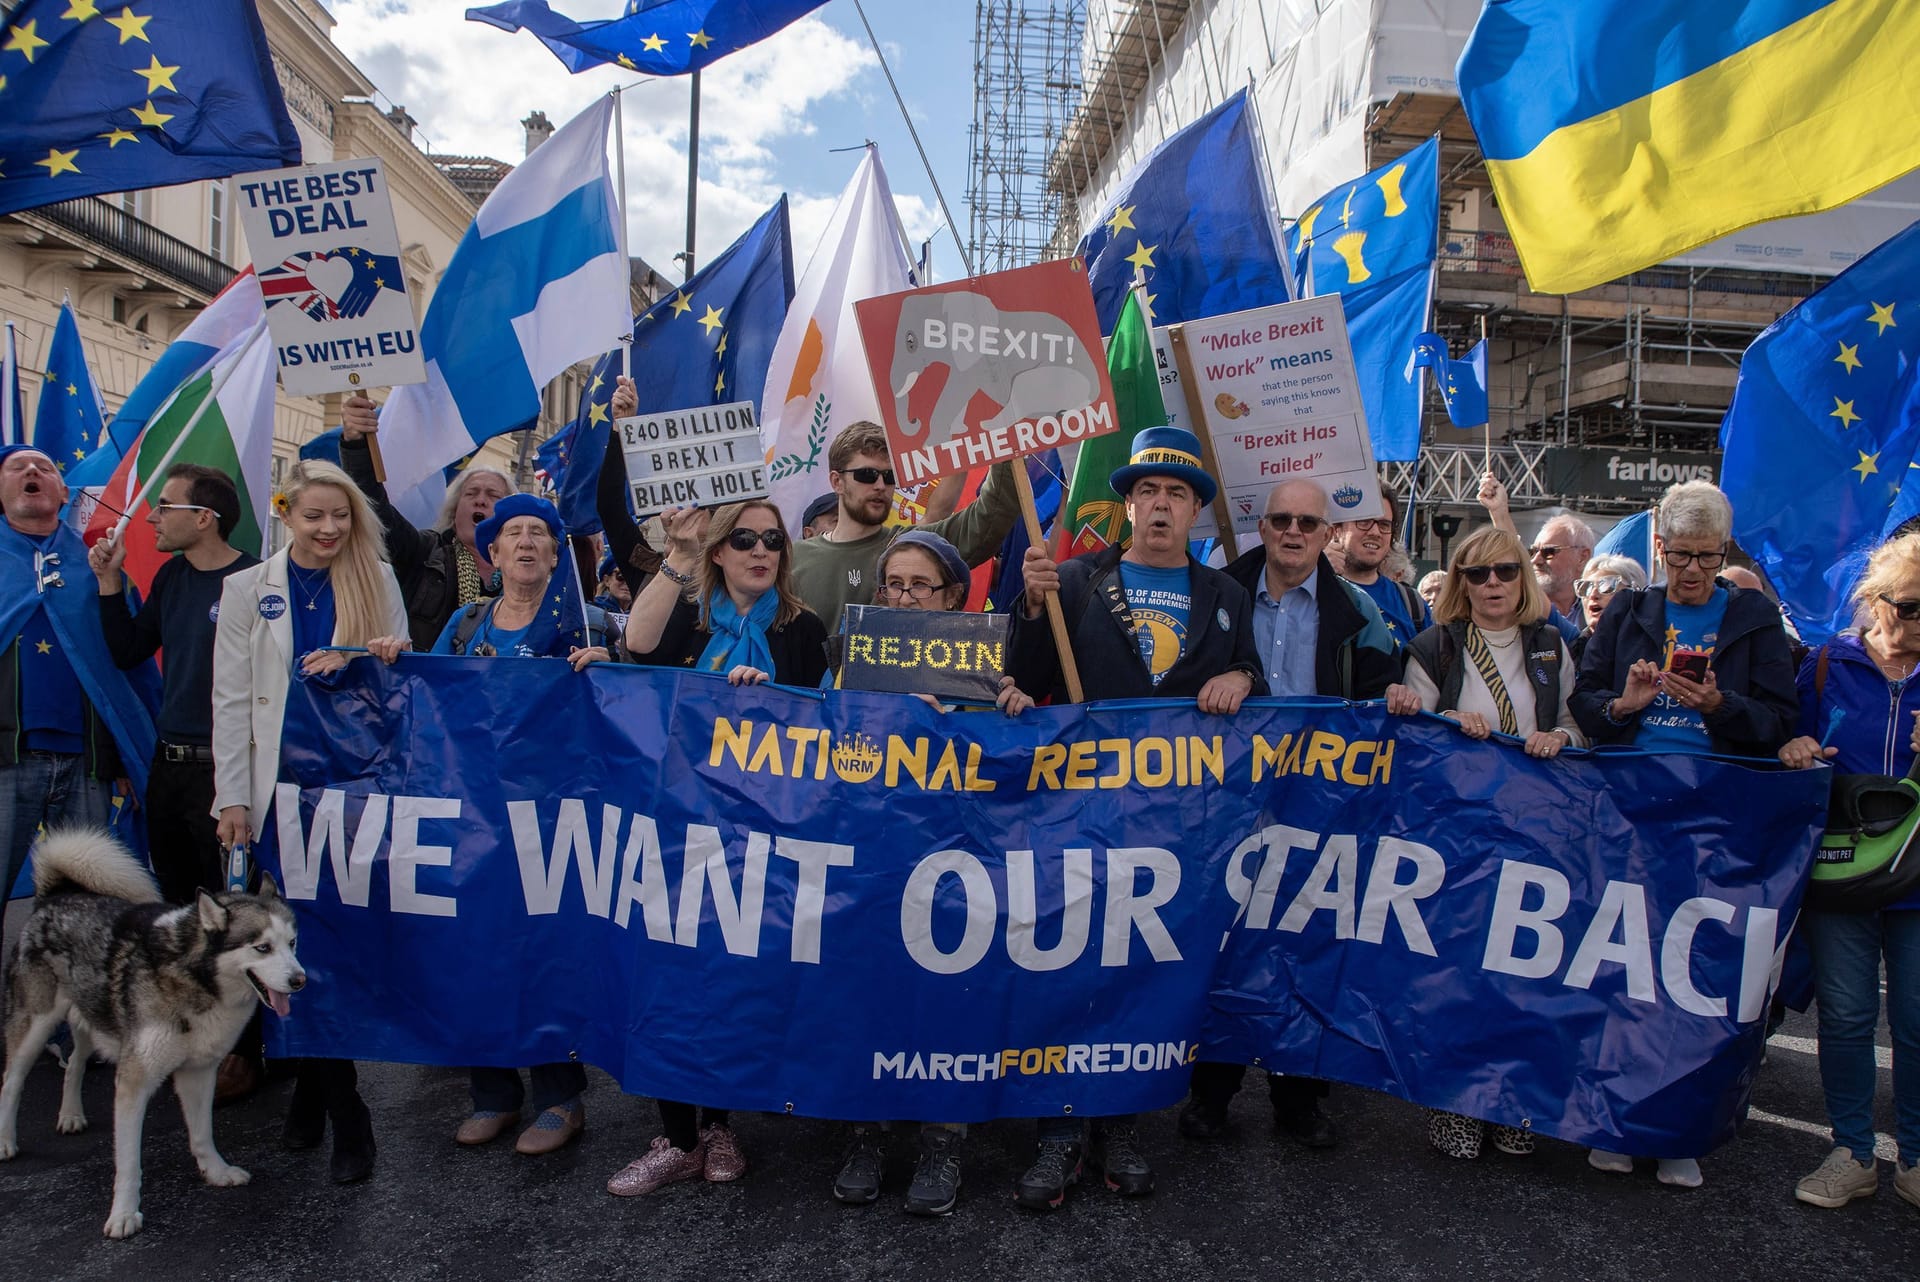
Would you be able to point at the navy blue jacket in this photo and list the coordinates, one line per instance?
(1752, 662)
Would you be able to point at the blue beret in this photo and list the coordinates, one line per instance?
(488, 531)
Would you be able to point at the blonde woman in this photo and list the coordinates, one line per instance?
(1490, 662)
(330, 586)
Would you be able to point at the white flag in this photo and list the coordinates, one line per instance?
(818, 381)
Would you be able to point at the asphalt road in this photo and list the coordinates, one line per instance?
(1381, 1205)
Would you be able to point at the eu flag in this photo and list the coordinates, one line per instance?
(1462, 383)
(658, 37)
(707, 343)
(99, 99)
(1192, 219)
(1374, 241)
(69, 422)
(1822, 430)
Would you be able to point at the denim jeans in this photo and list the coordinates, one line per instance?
(45, 788)
(1847, 950)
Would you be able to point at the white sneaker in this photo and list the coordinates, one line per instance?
(1906, 1182)
(1839, 1180)
(1681, 1172)
(1612, 1163)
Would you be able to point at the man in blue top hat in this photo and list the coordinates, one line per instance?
(1144, 621)
(71, 723)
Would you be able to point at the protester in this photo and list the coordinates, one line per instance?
(73, 727)
(1629, 690)
(440, 568)
(1602, 576)
(1430, 584)
(742, 620)
(821, 516)
(331, 586)
(611, 592)
(1316, 634)
(839, 566)
(1366, 550)
(1860, 713)
(1565, 544)
(193, 516)
(1490, 662)
(1148, 621)
(634, 558)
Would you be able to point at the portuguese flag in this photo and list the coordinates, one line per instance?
(1093, 516)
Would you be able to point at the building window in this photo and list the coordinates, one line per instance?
(218, 236)
(134, 202)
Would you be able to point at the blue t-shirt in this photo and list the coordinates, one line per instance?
(498, 640)
(1402, 625)
(1668, 725)
(1160, 600)
(312, 609)
(52, 704)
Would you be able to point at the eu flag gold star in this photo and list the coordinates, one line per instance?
(59, 162)
(681, 303)
(710, 321)
(599, 380)
(1867, 466)
(158, 77)
(653, 43)
(596, 413)
(1882, 316)
(722, 349)
(132, 26)
(73, 389)
(1849, 356)
(43, 647)
(1147, 307)
(25, 39)
(77, 454)
(720, 383)
(1122, 219)
(1673, 636)
(150, 116)
(1843, 410)
(80, 11)
(699, 39)
(1142, 255)
(119, 136)
(627, 62)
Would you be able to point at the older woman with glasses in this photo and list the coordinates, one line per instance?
(1603, 576)
(1490, 662)
(1697, 665)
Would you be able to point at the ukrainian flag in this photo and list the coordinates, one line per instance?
(1619, 133)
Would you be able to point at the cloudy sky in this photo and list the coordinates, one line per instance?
(770, 116)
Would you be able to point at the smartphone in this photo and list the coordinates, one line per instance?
(1691, 664)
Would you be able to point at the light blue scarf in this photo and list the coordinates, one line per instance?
(740, 638)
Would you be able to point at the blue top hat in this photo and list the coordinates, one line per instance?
(1165, 451)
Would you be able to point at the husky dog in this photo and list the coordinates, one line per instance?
(160, 990)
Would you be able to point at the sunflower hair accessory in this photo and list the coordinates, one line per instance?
(281, 504)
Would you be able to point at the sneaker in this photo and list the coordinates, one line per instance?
(1612, 1163)
(1681, 1172)
(1906, 1182)
(1839, 1180)
(1202, 1121)
(1513, 1140)
(1454, 1134)
(663, 1164)
(1056, 1167)
(1116, 1151)
(936, 1177)
(858, 1183)
(724, 1162)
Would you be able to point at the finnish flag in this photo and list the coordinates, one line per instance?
(537, 283)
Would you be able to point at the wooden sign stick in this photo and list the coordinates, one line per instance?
(1056, 618)
(1196, 410)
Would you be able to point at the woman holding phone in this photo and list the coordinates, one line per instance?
(1696, 665)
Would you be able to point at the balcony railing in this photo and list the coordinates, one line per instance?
(114, 229)
(1493, 254)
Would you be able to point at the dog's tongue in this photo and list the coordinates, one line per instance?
(282, 1003)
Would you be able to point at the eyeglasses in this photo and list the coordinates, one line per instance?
(1907, 610)
(1584, 588)
(910, 591)
(162, 508)
(1507, 571)
(868, 475)
(1281, 522)
(741, 539)
(1383, 524)
(1706, 560)
(1546, 551)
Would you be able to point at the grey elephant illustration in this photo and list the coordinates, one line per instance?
(1027, 363)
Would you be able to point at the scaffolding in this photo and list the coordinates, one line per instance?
(1026, 90)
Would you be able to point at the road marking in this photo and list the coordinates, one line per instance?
(1883, 1145)
(1882, 1055)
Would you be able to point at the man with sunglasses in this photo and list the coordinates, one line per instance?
(1564, 547)
(73, 728)
(1363, 547)
(838, 567)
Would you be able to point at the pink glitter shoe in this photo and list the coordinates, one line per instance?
(663, 1164)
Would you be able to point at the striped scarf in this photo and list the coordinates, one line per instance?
(1482, 656)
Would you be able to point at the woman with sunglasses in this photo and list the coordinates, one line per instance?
(744, 622)
(1490, 662)
(1858, 707)
(1603, 576)
(1696, 665)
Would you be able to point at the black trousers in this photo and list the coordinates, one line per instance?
(180, 829)
(682, 1122)
(1215, 1085)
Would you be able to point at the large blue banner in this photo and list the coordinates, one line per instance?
(854, 906)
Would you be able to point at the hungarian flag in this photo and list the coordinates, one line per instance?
(1093, 516)
(222, 417)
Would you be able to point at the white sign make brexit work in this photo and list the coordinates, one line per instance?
(702, 456)
(328, 257)
(1276, 389)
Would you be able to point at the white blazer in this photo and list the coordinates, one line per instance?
(252, 666)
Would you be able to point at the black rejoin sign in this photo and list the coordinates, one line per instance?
(953, 656)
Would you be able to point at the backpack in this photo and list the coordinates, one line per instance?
(1866, 857)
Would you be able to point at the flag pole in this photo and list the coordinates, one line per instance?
(693, 175)
(1190, 388)
(220, 377)
(9, 429)
(1487, 427)
(620, 178)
